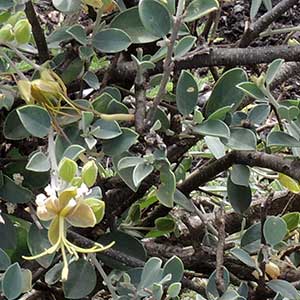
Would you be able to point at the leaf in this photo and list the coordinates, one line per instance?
(73, 71)
(184, 46)
(285, 288)
(4, 260)
(174, 289)
(155, 17)
(252, 90)
(215, 128)
(14, 193)
(211, 288)
(67, 6)
(151, 273)
(215, 146)
(107, 129)
(241, 139)
(275, 230)
(73, 152)
(13, 128)
(54, 274)
(243, 256)
(129, 162)
(166, 224)
(240, 174)
(92, 80)
(186, 92)
(35, 119)
(289, 183)
(111, 40)
(166, 190)
(239, 196)
(140, 172)
(183, 201)
(292, 220)
(89, 173)
(67, 169)
(12, 282)
(199, 8)
(78, 33)
(259, 113)
(120, 144)
(129, 21)
(225, 92)
(125, 243)
(37, 242)
(251, 238)
(279, 138)
(38, 162)
(255, 5)
(175, 267)
(81, 280)
(273, 69)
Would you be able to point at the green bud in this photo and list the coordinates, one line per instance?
(98, 207)
(15, 18)
(67, 169)
(22, 31)
(6, 33)
(89, 173)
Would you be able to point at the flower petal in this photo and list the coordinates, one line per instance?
(66, 195)
(82, 216)
(53, 233)
(44, 214)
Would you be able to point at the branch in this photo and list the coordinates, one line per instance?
(217, 57)
(37, 31)
(264, 21)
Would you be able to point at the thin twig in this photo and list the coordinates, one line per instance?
(168, 63)
(220, 221)
(104, 276)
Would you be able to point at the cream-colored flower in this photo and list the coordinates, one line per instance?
(66, 207)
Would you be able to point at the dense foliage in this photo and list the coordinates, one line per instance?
(146, 153)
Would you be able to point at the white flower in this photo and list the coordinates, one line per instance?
(82, 190)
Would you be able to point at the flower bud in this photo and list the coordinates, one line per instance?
(22, 31)
(6, 33)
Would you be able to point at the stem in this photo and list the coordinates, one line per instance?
(52, 158)
(168, 63)
(279, 31)
(104, 276)
(12, 64)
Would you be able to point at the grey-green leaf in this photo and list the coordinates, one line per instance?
(107, 129)
(140, 172)
(241, 139)
(273, 69)
(243, 256)
(225, 92)
(184, 46)
(286, 289)
(240, 174)
(81, 281)
(275, 230)
(239, 196)
(186, 93)
(215, 128)
(12, 282)
(279, 138)
(199, 8)
(111, 40)
(38, 162)
(252, 90)
(35, 119)
(129, 21)
(155, 17)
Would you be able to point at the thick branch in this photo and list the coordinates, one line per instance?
(218, 57)
(264, 21)
(38, 32)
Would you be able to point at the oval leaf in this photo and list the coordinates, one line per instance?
(155, 17)
(186, 93)
(275, 230)
(35, 119)
(111, 40)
